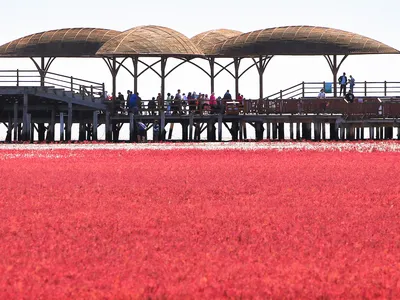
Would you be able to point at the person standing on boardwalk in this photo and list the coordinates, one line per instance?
(343, 82)
(321, 94)
(352, 82)
(227, 95)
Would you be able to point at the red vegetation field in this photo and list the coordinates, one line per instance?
(199, 224)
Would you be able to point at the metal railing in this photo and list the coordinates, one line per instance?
(370, 107)
(68, 83)
(364, 88)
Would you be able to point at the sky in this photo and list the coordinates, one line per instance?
(375, 19)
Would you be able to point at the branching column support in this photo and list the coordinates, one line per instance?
(333, 65)
(212, 73)
(114, 73)
(135, 61)
(43, 68)
(261, 65)
(236, 62)
(163, 75)
(112, 66)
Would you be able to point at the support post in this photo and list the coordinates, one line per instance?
(69, 121)
(191, 121)
(41, 132)
(335, 71)
(25, 130)
(163, 67)
(274, 131)
(212, 72)
(15, 137)
(219, 127)
(131, 127)
(236, 61)
(9, 129)
(42, 71)
(291, 131)
(184, 131)
(162, 125)
(31, 128)
(135, 61)
(281, 131)
(114, 84)
(298, 135)
(82, 128)
(95, 125)
(108, 128)
(51, 129)
(61, 126)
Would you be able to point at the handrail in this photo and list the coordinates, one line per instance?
(369, 108)
(361, 88)
(68, 83)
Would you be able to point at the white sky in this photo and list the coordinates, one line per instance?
(375, 19)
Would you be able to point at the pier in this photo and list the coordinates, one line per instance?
(37, 104)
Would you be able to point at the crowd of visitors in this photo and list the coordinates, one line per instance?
(181, 103)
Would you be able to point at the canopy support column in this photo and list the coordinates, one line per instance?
(112, 66)
(333, 65)
(114, 84)
(212, 73)
(236, 62)
(135, 61)
(163, 67)
(261, 65)
(43, 68)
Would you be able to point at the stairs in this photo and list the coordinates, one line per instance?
(62, 95)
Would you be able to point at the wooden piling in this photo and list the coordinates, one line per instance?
(25, 130)
(191, 124)
(184, 131)
(259, 130)
(298, 134)
(281, 131)
(9, 129)
(41, 132)
(219, 127)
(244, 129)
(162, 125)
(15, 137)
(69, 121)
(235, 130)
(291, 131)
(268, 130)
(95, 125)
(61, 126)
(131, 127)
(274, 131)
(108, 128)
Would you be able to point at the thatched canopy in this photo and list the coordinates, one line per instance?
(300, 40)
(207, 40)
(150, 41)
(69, 42)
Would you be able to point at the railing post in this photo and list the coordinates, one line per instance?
(280, 94)
(17, 77)
(385, 88)
(72, 84)
(91, 91)
(105, 90)
(303, 90)
(365, 88)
